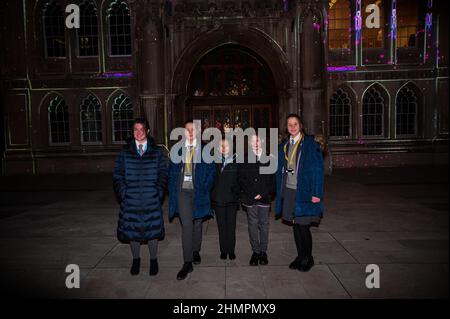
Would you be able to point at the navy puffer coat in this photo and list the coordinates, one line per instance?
(140, 183)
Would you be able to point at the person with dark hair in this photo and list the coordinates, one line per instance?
(139, 178)
(190, 183)
(255, 196)
(299, 181)
(224, 199)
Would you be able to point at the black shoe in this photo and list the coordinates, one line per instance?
(135, 267)
(232, 256)
(187, 268)
(154, 268)
(306, 264)
(223, 256)
(263, 259)
(197, 258)
(295, 264)
(254, 260)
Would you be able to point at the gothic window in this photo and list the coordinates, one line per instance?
(339, 24)
(406, 112)
(122, 113)
(373, 113)
(407, 23)
(88, 31)
(340, 114)
(91, 120)
(54, 30)
(119, 28)
(58, 119)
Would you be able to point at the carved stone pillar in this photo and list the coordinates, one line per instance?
(150, 66)
(153, 109)
(312, 66)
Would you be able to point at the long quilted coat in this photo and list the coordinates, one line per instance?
(139, 183)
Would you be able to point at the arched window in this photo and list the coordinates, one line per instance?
(373, 112)
(87, 34)
(372, 38)
(122, 112)
(119, 28)
(407, 23)
(91, 120)
(54, 30)
(340, 114)
(406, 107)
(339, 24)
(58, 120)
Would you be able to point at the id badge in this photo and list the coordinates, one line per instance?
(290, 171)
(187, 178)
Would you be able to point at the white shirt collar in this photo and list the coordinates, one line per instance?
(194, 143)
(296, 138)
(258, 154)
(144, 144)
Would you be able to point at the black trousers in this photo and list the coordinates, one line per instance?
(226, 222)
(303, 240)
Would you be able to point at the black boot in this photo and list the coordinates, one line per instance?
(154, 268)
(254, 259)
(295, 264)
(223, 256)
(306, 264)
(197, 258)
(232, 256)
(263, 260)
(135, 267)
(185, 270)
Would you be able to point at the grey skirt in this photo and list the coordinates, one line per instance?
(288, 210)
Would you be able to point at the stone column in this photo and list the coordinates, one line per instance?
(312, 65)
(150, 68)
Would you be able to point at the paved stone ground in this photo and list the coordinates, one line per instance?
(395, 218)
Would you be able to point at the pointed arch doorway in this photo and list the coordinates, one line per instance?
(232, 87)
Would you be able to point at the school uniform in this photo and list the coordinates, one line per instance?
(253, 183)
(224, 198)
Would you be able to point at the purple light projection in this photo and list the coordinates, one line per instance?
(285, 5)
(358, 18)
(116, 75)
(344, 68)
(429, 21)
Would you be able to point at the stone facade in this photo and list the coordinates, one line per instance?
(169, 38)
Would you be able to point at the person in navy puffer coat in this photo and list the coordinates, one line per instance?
(140, 176)
(299, 180)
(190, 184)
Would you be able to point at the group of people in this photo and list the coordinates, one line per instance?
(199, 190)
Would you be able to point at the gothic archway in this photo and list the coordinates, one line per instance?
(251, 41)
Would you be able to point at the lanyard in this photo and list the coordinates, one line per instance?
(294, 151)
(189, 157)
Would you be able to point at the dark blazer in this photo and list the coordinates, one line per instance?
(203, 182)
(252, 183)
(310, 179)
(226, 188)
(139, 183)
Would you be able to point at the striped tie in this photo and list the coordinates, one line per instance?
(141, 149)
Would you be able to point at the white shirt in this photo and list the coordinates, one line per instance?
(258, 155)
(144, 145)
(193, 144)
(296, 138)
